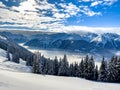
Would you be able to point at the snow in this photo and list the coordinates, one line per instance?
(28, 81)
(17, 77)
(1, 37)
(104, 38)
(97, 39)
(8, 65)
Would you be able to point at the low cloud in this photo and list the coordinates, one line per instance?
(87, 29)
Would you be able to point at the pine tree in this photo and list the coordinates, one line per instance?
(71, 70)
(81, 69)
(29, 60)
(114, 70)
(64, 67)
(76, 70)
(43, 64)
(46, 67)
(118, 68)
(8, 55)
(15, 57)
(56, 66)
(85, 66)
(91, 66)
(60, 62)
(103, 71)
(50, 67)
(96, 73)
(36, 63)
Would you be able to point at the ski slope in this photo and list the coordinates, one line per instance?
(18, 77)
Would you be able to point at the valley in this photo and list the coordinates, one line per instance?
(106, 44)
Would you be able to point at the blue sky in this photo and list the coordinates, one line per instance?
(60, 15)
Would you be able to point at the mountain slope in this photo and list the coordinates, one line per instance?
(82, 42)
(88, 42)
(11, 66)
(27, 81)
(8, 44)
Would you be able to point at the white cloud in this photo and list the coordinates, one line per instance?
(109, 2)
(32, 14)
(85, 0)
(78, 29)
(29, 5)
(70, 8)
(66, 11)
(29, 15)
(95, 3)
(2, 5)
(99, 2)
(61, 16)
(86, 10)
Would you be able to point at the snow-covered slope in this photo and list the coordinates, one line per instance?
(14, 77)
(6, 43)
(10, 66)
(27, 81)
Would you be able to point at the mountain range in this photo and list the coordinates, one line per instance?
(77, 42)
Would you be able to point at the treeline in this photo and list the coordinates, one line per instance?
(86, 68)
(108, 72)
(13, 57)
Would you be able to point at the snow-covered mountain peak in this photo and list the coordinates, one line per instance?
(97, 39)
(106, 37)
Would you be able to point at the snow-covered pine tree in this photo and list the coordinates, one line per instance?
(71, 69)
(46, 66)
(118, 67)
(81, 69)
(103, 71)
(60, 61)
(56, 65)
(114, 70)
(29, 60)
(36, 67)
(50, 67)
(64, 67)
(91, 66)
(15, 57)
(76, 70)
(8, 55)
(85, 66)
(96, 73)
(43, 61)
